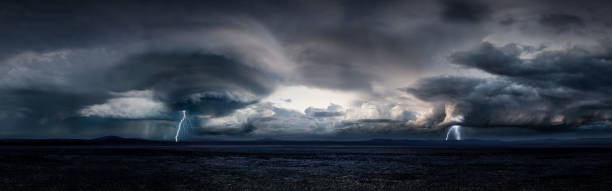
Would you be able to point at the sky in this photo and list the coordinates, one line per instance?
(350, 69)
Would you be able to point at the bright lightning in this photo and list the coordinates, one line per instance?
(455, 129)
(180, 125)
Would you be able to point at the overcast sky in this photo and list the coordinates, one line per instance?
(306, 69)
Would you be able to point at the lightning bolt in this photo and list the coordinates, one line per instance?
(455, 130)
(180, 125)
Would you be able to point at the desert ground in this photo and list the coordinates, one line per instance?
(304, 167)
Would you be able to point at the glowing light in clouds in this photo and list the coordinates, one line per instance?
(301, 97)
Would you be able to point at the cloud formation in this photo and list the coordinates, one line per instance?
(464, 11)
(260, 69)
(127, 105)
(553, 88)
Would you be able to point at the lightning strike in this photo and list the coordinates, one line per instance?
(455, 129)
(178, 131)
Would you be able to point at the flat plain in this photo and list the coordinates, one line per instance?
(199, 166)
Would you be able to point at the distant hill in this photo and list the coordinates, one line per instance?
(115, 140)
(107, 140)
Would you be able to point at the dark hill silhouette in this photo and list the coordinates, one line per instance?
(115, 140)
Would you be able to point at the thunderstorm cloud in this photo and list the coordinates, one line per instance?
(305, 69)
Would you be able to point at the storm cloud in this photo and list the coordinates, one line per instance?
(302, 69)
(464, 11)
(561, 22)
(553, 89)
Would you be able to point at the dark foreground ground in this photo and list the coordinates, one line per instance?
(304, 167)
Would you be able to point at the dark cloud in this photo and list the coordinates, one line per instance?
(486, 102)
(464, 11)
(243, 130)
(88, 68)
(507, 21)
(561, 22)
(321, 69)
(574, 68)
(281, 123)
(24, 111)
(198, 82)
(443, 89)
(331, 111)
(34, 25)
(553, 89)
(383, 128)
